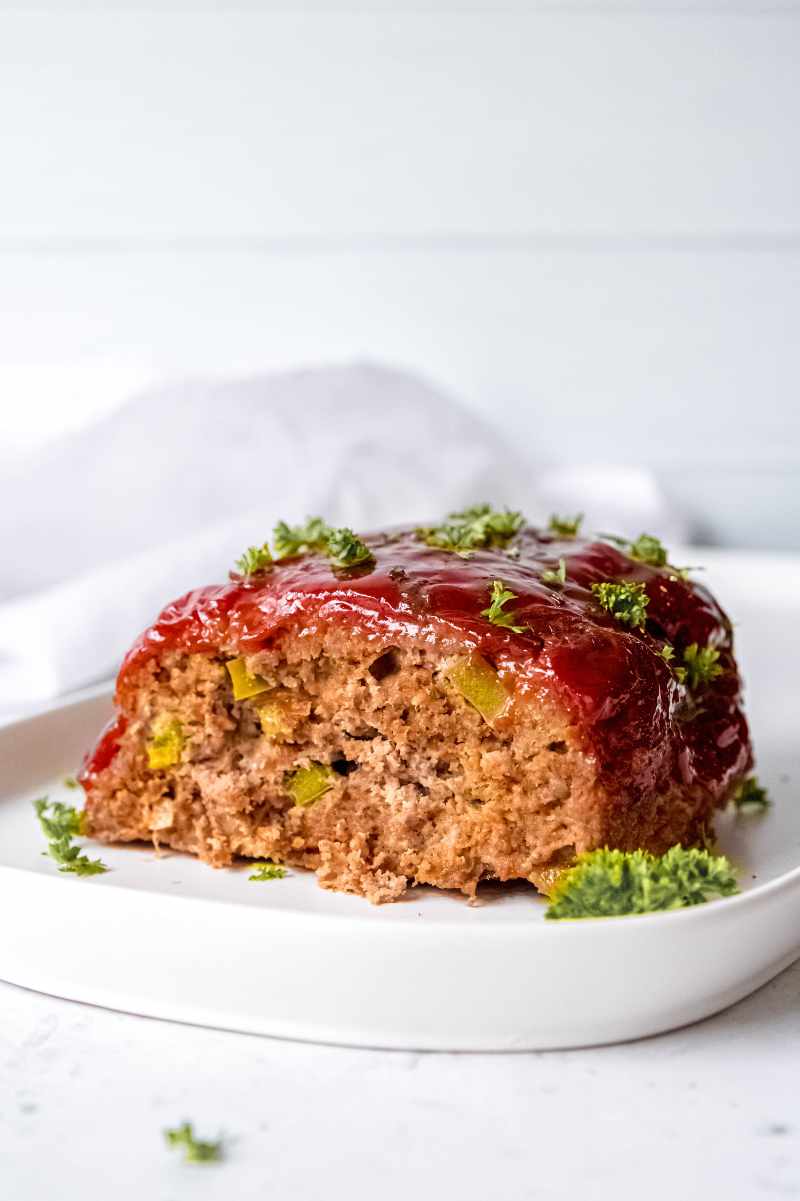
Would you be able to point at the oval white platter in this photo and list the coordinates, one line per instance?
(166, 936)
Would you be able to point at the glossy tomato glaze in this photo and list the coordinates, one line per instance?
(630, 712)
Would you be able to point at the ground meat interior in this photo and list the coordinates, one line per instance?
(362, 761)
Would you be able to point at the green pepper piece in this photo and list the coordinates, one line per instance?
(245, 685)
(480, 685)
(308, 784)
(165, 747)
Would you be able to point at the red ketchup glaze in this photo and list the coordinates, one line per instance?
(631, 713)
(105, 749)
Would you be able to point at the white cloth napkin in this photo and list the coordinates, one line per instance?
(101, 529)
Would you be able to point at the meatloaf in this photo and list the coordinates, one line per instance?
(478, 700)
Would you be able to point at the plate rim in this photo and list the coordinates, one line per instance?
(761, 893)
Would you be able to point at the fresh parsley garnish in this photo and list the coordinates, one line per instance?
(626, 602)
(700, 666)
(254, 560)
(751, 797)
(266, 870)
(565, 527)
(499, 596)
(644, 549)
(648, 549)
(608, 883)
(449, 536)
(291, 540)
(472, 529)
(492, 527)
(70, 782)
(57, 819)
(60, 824)
(195, 1150)
(340, 544)
(346, 550)
(557, 577)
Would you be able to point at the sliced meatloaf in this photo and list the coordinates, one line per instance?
(479, 700)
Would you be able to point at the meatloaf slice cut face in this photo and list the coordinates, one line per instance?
(426, 715)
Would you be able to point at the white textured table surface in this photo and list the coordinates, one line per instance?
(707, 1112)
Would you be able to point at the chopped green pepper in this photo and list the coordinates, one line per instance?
(245, 685)
(308, 784)
(165, 747)
(480, 685)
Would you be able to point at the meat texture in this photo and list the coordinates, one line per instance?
(381, 727)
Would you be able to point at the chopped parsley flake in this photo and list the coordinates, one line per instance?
(499, 597)
(254, 560)
(751, 797)
(608, 883)
(340, 544)
(565, 527)
(70, 782)
(346, 550)
(557, 577)
(700, 666)
(291, 540)
(60, 824)
(195, 1150)
(650, 550)
(647, 549)
(267, 870)
(62, 821)
(451, 537)
(473, 528)
(626, 602)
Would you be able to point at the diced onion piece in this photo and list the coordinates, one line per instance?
(274, 720)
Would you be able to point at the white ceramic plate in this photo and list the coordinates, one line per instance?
(169, 937)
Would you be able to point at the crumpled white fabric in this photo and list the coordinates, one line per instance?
(101, 529)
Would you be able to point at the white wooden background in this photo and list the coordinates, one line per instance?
(583, 218)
